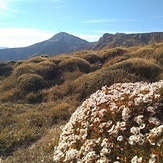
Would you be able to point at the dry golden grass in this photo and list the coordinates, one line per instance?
(5, 69)
(48, 70)
(28, 131)
(146, 69)
(73, 64)
(30, 82)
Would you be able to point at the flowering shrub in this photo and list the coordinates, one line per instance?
(121, 123)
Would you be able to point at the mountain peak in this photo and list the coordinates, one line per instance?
(60, 35)
(58, 44)
(63, 36)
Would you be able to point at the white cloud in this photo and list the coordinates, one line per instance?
(21, 37)
(88, 37)
(3, 6)
(108, 20)
(96, 21)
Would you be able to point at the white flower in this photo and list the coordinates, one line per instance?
(159, 142)
(108, 123)
(151, 109)
(90, 157)
(132, 140)
(152, 160)
(120, 138)
(154, 121)
(105, 151)
(135, 159)
(135, 130)
(138, 119)
(71, 155)
(126, 113)
(142, 126)
(138, 100)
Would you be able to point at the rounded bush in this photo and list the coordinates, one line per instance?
(5, 69)
(24, 68)
(114, 53)
(36, 59)
(74, 63)
(30, 82)
(141, 67)
(121, 123)
(48, 70)
(34, 97)
(92, 58)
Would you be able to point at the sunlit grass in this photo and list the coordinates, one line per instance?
(41, 93)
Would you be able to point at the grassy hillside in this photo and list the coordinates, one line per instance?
(40, 94)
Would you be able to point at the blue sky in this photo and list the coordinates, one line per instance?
(25, 22)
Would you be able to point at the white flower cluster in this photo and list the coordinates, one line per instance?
(116, 124)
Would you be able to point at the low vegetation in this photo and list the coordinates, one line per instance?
(39, 95)
(118, 124)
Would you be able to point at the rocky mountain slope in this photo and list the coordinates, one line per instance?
(58, 44)
(127, 40)
(66, 43)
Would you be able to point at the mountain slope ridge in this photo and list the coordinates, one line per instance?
(66, 43)
(127, 40)
(58, 44)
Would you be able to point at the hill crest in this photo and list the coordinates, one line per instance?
(127, 40)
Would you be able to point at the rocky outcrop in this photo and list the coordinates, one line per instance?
(121, 123)
(127, 40)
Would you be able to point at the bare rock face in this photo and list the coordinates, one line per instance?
(121, 123)
(127, 40)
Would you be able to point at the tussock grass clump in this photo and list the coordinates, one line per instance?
(24, 68)
(109, 54)
(145, 52)
(92, 58)
(158, 56)
(60, 112)
(11, 95)
(59, 58)
(48, 70)
(30, 82)
(35, 97)
(115, 60)
(89, 83)
(121, 123)
(140, 67)
(73, 64)
(15, 128)
(5, 69)
(37, 59)
(23, 124)
(8, 83)
(41, 151)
